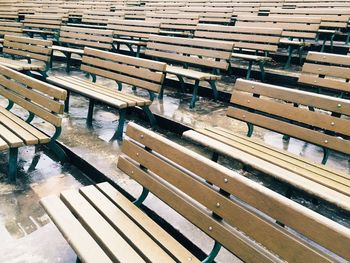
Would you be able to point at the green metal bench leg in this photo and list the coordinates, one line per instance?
(323, 45)
(119, 132)
(249, 70)
(332, 42)
(90, 111)
(150, 115)
(194, 95)
(250, 129)
(300, 52)
(182, 82)
(12, 166)
(66, 102)
(68, 56)
(138, 51)
(215, 91)
(120, 85)
(138, 202)
(55, 148)
(289, 60)
(161, 92)
(10, 105)
(325, 155)
(262, 70)
(214, 252)
(347, 38)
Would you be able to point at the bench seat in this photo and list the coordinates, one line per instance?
(130, 41)
(111, 97)
(110, 224)
(68, 49)
(39, 31)
(299, 172)
(189, 73)
(21, 65)
(295, 42)
(16, 132)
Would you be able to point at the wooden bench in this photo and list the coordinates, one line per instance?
(178, 24)
(251, 43)
(296, 30)
(211, 15)
(97, 18)
(132, 33)
(39, 99)
(334, 21)
(9, 14)
(10, 28)
(73, 40)
(239, 217)
(42, 25)
(210, 54)
(327, 71)
(264, 105)
(37, 52)
(141, 73)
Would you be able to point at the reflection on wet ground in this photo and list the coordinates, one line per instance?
(26, 233)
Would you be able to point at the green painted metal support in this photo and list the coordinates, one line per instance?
(289, 60)
(55, 148)
(90, 111)
(194, 95)
(215, 91)
(300, 52)
(347, 38)
(215, 157)
(150, 115)
(66, 102)
(214, 252)
(118, 135)
(68, 58)
(250, 129)
(120, 85)
(161, 91)
(323, 45)
(332, 41)
(182, 83)
(12, 166)
(138, 51)
(30, 117)
(325, 155)
(262, 70)
(249, 70)
(151, 95)
(10, 105)
(94, 78)
(138, 202)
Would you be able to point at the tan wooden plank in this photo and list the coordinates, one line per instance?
(279, 241)
(12, 140)
(323, 140)
(155, 87)
(296, 216)
(145, 63)
(33, 41)
(40, 112)
(32, 95)
(288, 111)
(80, 240)
(332, 84)
(43, 138)
(232, 240)
(3, 145)
(101, 230)
(334, 71)
(320, 101)
(119, 219)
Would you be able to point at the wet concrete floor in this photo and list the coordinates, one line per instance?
(26, 232)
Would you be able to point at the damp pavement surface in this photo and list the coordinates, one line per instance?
(26, 232)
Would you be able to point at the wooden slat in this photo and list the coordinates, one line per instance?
(3, 145)
(334, 71)
(43, 138)
(312, 136)
(104, 234)
(120, 219)
(80, 240)
(12, 140)
(332, 84)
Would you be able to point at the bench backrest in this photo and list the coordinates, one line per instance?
(137, 29)
(8, 14)
(197, 52)
(39, 98)
(29, 48)
(252, 38)
(81, 37)
(285, 111)
(211, 15)
(10, 28)
(100, 17)
(142, 73)
(179, 176)
(43, 22)
(326, 70)
(330, 17)
(178, 23)
(293, 26)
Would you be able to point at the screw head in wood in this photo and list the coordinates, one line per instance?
(225, 180)
(210, 228)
